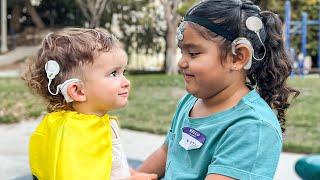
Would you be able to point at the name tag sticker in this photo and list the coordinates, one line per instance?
(191, 138)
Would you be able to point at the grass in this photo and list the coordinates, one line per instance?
(153, 100)
(16, 101)
(303, 124)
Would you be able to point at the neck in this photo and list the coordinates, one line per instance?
(86, 109)
(225, 99)
(229, 95)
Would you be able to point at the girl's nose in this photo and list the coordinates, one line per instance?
(182, 63)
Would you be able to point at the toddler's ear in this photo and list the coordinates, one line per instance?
(76, 92)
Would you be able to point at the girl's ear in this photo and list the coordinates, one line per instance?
(242, 57)
(76, 92)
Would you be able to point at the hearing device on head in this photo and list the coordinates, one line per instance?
(253, 24)
(52, 68)
(245, 41)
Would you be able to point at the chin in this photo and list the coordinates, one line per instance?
(123, 105)
(190, 90)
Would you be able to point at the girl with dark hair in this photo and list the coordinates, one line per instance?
(230, 123)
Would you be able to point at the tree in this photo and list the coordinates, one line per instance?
(137, 24)
(16, 13)
(4, 47)
(34, 15)
(18, 5)
(312, 7)
(61, 13)
(172, 19)
(173, 11)
(92, 10)
(267, 4)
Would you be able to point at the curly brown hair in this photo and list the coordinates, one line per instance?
(71, 48)
(269, 76)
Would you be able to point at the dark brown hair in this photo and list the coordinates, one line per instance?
(268, 75)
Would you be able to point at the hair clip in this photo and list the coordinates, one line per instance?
(180, 31)
(52, 68)
(255, 24)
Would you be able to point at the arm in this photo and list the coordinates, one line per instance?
(156, 162)
(217, 177)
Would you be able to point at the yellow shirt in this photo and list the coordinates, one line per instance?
(68, 145)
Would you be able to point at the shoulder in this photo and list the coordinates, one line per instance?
(49, 120)
(249, 147)
(186, 100)
(257, 111)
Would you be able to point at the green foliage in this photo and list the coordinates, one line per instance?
(186, 6)
(60, 13)
(312, 7)
(139, 23)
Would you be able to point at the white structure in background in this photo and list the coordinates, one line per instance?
(146, 62)
(307, 65)
(153, 62)
(35, 2)
(4, 46)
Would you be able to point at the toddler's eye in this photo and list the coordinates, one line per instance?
(113, 74)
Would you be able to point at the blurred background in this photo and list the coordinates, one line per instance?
(147, 30)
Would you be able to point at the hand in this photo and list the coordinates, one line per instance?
(143, 176)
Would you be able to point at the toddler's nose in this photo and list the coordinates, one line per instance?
(126, 82)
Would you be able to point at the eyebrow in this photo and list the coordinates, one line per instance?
(118, 67)
(189, 46)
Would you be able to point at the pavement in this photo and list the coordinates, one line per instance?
(18, 54)
(138, 146)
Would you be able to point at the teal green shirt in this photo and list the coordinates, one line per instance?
(243, 142)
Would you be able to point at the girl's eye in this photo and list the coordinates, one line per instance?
(194, 54)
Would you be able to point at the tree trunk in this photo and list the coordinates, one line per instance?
(16, 13)
(171, 60)
(34, 15)
(4, 46)
(93, 10)
(172, 19)
(100, 7)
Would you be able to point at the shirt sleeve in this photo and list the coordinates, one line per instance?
(247, 150)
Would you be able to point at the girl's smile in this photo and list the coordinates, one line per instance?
(187, 76)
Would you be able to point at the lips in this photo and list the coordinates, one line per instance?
(124, 94)
(188, 76)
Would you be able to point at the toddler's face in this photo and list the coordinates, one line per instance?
(205, 74)
(106, 87)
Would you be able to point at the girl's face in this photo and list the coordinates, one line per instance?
(205, 74)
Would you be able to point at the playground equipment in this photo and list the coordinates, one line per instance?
(300, 27)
